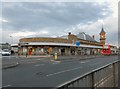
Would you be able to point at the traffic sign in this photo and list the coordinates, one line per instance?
(77, 43)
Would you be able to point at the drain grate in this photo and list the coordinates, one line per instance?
(39, 73)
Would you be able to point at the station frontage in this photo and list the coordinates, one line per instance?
(64, 45)
(60, 48)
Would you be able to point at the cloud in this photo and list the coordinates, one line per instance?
(53, 19)
(39, 15)
(109, 25)
(22, 34)
(113, 5)
(3, 20)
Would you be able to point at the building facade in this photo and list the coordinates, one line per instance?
(65, 45)
(5, 46)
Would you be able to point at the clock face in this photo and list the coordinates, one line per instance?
(102, 36)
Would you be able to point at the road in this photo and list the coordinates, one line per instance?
(41, 72)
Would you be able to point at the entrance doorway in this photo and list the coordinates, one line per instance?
(63, 51)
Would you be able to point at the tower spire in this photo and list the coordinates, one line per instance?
(102, 31)
(102, 36)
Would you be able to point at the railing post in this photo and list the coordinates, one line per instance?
(113, 74)
(118, 72)
(92, 80)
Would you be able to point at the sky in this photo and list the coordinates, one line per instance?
(53, 19)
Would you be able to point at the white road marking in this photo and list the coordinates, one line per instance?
(84, 61)
(95, 64)
(39, 59)
(63, 71)
(8, 56)
(39, 64)
(28, 62)
(7, 86)
(23, 60)
(56, 63)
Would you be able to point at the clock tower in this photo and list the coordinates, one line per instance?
(102, 36)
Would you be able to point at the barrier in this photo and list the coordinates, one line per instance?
(106, 76)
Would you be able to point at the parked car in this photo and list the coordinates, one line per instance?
(6, 52)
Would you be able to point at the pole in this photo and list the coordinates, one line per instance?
(27, 51)
(18, 49)
(92, 81)
(11, 39)
(114, 74)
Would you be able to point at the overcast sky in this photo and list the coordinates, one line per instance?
(51, 19)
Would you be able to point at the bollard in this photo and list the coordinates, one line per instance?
(55, 56)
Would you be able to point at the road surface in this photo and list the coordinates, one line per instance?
(41, 72)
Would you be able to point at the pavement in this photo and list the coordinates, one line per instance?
(13, 61)
(77, 57)
(9, 62)
(34, 56)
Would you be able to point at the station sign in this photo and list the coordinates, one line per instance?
(22, 44)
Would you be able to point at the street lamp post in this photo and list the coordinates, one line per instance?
(11, 48)
(19, 45)
(27, 49)
(11, 39)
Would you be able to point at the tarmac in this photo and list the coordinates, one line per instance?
(13, 61)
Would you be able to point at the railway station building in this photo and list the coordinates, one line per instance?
(64, 45)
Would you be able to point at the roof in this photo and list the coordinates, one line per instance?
(81, 35)
(64, 36)
(102, 31)
(62, 44)
(85, 37)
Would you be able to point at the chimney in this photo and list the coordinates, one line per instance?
(93, 36)
(69, 33)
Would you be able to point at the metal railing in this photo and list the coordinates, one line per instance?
(106, 76)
